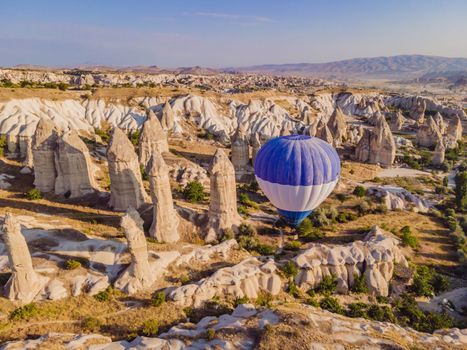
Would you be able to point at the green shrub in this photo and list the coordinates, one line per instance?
(408, 239)
(328, 285)
(359, 284)
(134, 137)
(242, 210)
(105, 136)
(264, 299)
(33, 194)
(331, 304)
(319, 218)
(62, 86)
(158, 299)
(144, 176)
(293, 246)
(461, 190)
(72, 264)
(2, 145)
(290, 270)
(307, 232)
(312, 302)
(427, 282)
(247, 230)
(194, 192)
(293, 289)
(242, 300)
(188, 311)
(24, 312)
(357, 310)
(341, 197)
(150, 328)
(265, 249)
(359, 191)
(91, 324)
(381, 313)
(245, 200)
(107, 294)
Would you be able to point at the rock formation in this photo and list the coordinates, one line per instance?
(338, 127)
(398, 198)
(428, 134)
(374, 257)
(377, 146)
(307, 116)
(138, 275)
(246, 279)
(240, 153)
(222, 213)
(28, 159)
(152, 139)
(24, 283)
(439, 153)
(167, 119)
(418, 111)
(439, 120)
(323, 132)
(126, 185)
(255, 146)
(397, 121)
(453, 133)
(74, 167)
(43, 152)
(165, 219)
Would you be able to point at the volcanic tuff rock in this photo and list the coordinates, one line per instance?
(453, 133)
(153, 139)
(439, 120)
(397, 121)
(439, 153)
(126, 185)
(398, 198)
(167, 119)
(222, 212)
(24, 283)
(428, 134)
(165, 218)
(43, 151)
(338, 127)
(138, 276)
(246, 279)
(377, 146)
(324, 133)
(255, 146)
(73, 165)
(374, 257)
(240, 153)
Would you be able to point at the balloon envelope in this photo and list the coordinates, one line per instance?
(297, 173)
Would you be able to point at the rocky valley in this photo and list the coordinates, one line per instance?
(131, 216)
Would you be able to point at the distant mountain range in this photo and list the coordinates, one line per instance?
(402, 67)
(408, 66)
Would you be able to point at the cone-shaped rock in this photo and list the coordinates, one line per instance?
(222, 213)
(152, 139)
(168, 119)
(397, 121)
(324, 133)
(428, 134)
(338, 127)
(43, 152)
(439, 120)
(126, 185)
(377, 146)
(165, 219)
(240, 152)
(74, 167)
(418, 111)
(255, 146)
(453, 133)
(138, 275)
(28, 159)
(307, 116)
(439, 153)
(24, 283)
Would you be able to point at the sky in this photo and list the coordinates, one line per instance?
(226, 33)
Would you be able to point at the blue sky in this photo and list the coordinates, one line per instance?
(223, 33)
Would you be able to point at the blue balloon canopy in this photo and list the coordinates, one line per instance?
(297, 173)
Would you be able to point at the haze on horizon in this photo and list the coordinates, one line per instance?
(226, 33)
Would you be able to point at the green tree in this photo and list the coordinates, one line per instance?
(461, 190)
(194, 192)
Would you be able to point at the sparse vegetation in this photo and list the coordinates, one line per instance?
(33, 194)
(2, 145)
(244, 199)
(307, 232)
(91, 324)
(427, 282)
(408, 239)
(461, 190)
(331, 304)
(158, 299)
(150, 328)
(359, 191)
(24, 312)
(194, 192)
(290, 270)
(72, 264)
(359, 285)
(327, 286)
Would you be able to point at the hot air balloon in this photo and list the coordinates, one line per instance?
(297, 173)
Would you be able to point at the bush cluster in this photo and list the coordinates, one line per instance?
(248, 239)
(194, 192)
